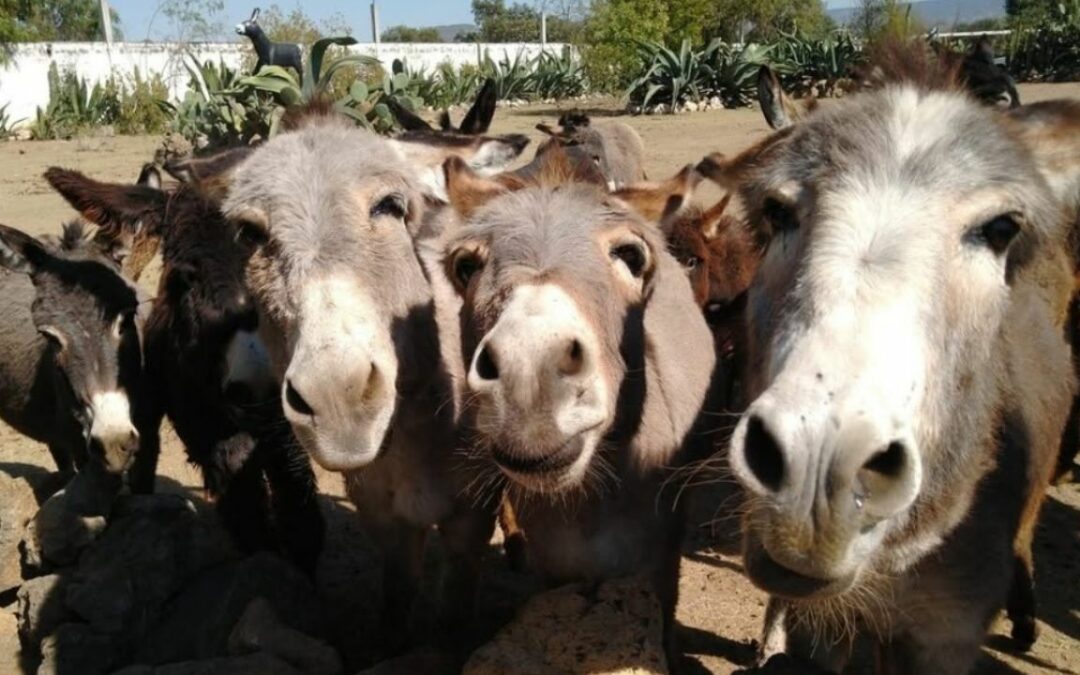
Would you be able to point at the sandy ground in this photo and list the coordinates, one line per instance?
(720, 612)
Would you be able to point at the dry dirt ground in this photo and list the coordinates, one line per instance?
(720, 612)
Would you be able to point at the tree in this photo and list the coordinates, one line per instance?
(876, 19)
(611, 35)
(299, 28)
(498, 22)
(763, 20)
(193, 20)
(53, 21)
(408, 34)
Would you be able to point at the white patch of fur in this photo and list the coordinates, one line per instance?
(346, 369)
(112, 427)
(493, 156)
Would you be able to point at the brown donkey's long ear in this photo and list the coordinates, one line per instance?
(408, 120)
(210, 176)
(118, 209)
(656, 202)
(779, 110)
(1051, 131)
(711, 219)
(478, 119)
(467, 191)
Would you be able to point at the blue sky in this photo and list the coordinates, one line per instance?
(140, 18)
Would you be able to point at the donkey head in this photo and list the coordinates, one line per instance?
(563, 286)
(251, 26)
(86, 312)
(897, 226)
(329, 212)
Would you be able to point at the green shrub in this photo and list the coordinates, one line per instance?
(806, 64)
(558, 76)
(675, 77)
(74, 106)
(7, 125)
(1049, 50)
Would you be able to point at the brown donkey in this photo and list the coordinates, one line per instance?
(589, 370)
(907, 368)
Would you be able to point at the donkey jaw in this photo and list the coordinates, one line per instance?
(550, 471)
(776, 577)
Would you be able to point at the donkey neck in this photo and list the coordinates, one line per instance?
(261, 42)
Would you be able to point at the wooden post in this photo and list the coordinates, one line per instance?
(106, 26)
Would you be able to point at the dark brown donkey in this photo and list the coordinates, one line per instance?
(70, 366)
(908, 372)
(205, 367)
(563, 286)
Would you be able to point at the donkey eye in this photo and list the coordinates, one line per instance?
(465, 267)
(252, 235)
(999, 233)
(691, 262)
(390, 205)
(781, 217)
(633, 256)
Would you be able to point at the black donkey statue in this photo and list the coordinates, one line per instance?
(270, 53)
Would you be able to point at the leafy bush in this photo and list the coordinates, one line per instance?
(7, 125)
(675, 77)
(135, 104)
(1049, 50)
(73, 107)
(558, 76)
(216, 113)
(806, 63)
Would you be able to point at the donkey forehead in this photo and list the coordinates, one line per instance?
(83, 289)
(315, 169)
(934, 142)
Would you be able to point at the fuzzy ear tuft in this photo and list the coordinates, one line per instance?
(466, 190)
(658, 201)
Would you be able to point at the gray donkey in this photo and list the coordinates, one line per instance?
(70, 362)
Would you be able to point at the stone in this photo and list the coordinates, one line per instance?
(690, 106)
(197, 624)
(40, 609)
(173, 147)
(17, 506)
(616, 628)
(77, 649)
(154, 545)
(716, 103)
(251, 664)
(260, 629)
(10, 648)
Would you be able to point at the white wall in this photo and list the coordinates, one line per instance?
(24, 83)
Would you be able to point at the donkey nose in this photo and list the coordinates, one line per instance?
(296, 402)
(888, 480)
(763, 454)
(508, 358)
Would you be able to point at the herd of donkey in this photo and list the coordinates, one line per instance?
(878, 348)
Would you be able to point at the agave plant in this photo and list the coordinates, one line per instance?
(672, 77)
(734, 71)
(73, 106)
(456, 85)
(513, 78)
(7, 125)
(289, 90)
(557, 77)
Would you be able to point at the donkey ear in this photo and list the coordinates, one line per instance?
(149, 177)
(656, 202)
(712, 219)
(116, 208)
(1051, 132)
(478, 119)
(210, 176)
(778, 108)
(408, 120)
(254, 15)
(467, 191)
(19, 252)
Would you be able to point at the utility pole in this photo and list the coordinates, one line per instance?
(543, 31)
(106, 25)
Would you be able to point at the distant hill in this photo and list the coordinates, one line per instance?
(448, 33)
(940, 12)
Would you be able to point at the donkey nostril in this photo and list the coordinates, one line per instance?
(296, 401)
(890, 462)
(764, 457)
(573, 361)
(486, 367)
(238, 394)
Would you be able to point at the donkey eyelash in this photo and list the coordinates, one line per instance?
(392, 205)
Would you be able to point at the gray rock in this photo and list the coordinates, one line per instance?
(153, 546)
(77, 649)
(198, 623)
(250, 664)
(17, 506)
(260, 629)
(616, 628)
(71, 519)
(40, 609)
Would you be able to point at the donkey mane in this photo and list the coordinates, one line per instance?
(911, 62)
(319, 111)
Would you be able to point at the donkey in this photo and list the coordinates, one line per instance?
(331, 214)
(907, 370)
(614, 146)
(70, 364)
(720, 255)
(205, 367)
(562, 287)
(476, 122)
(269, 53)
(985, 79)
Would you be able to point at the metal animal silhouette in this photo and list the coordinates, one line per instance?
(270, 53)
